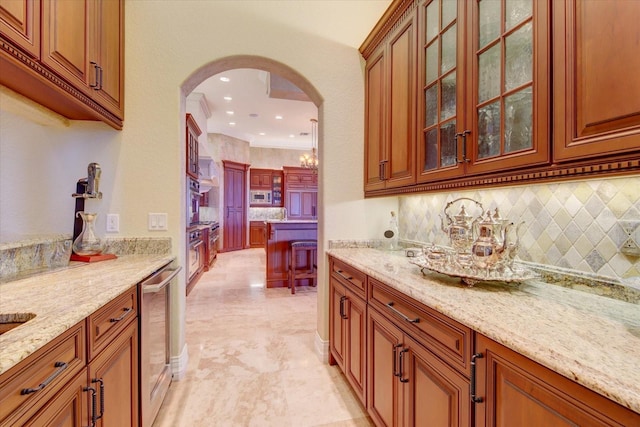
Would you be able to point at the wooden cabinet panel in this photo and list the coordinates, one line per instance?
(58, 362)
(355, 313)
(336, 326)
(449, 340)
(117, 369)
(390, 144)
(518, 391)
(435, 395)
(347, 335)
(375, 144)
(20, 22)
(596, 64)
(67, 41)
(399, 169)
(279, 234)
(260, 179)
(108, 322)
(109, 55)
(383, 390)
(257, 234)
(193, 132)
(69, 407)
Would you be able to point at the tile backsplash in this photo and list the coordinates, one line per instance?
(572, 225)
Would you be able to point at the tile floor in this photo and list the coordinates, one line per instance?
(252, 360)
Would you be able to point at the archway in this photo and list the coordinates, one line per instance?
(191, 82)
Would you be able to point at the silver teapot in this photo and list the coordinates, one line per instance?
(459, 229)
(490, 247)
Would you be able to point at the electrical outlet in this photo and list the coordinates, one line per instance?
(631, 245)
(113, 223)
(158, 221)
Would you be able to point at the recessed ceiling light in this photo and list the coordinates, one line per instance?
(230, 113)
(228, 98)
(278, 117)
(262, 134)
(292, 136)
(224, 79)
(232, 123)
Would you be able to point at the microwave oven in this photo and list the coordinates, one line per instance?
(260, 197)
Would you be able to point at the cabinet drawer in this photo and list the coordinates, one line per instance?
(45, 372)
(107, 322)
(443, 336)
(350, 277)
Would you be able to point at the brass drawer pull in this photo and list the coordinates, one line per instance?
(117, 319)
(390, 305)
(61, 366)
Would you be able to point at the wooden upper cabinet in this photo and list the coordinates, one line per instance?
(109, 54)
(500, 92)
(193, 132)
(74, 62)
(484, 107)
(596, 84)
(390, 147)
(20, 22)
(67, 42)
(260, 179)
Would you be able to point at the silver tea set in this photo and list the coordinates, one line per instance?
(483, 246)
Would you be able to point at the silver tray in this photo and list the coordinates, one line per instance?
(471, 276)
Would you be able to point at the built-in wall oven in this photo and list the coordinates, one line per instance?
(155, 340)
(193, 201)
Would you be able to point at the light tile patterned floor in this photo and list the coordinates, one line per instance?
(251, 356)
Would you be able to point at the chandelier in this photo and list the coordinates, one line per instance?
(311, 161)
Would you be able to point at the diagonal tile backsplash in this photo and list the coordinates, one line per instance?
(571, 225)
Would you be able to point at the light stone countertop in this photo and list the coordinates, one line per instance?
(65, 297)
(590, 339)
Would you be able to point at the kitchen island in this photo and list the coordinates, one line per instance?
(279, 234)
(588, 339)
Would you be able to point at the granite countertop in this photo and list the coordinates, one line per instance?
(591, 339)
(63, 298)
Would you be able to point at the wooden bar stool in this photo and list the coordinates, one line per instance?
(308, 270)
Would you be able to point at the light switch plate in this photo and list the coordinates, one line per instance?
(113, 223)
(158, 221)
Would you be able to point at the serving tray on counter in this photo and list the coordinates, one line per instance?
(471, 276)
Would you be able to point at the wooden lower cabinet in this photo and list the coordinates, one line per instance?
(68, 408)
(517, 391)
(91, 370)
(115, 369)
(257, 234)
(409, 385)
(347, 335)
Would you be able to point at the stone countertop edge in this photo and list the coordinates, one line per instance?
(63, 298)
(587, 338)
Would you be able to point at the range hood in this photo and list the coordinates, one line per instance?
(207, 174)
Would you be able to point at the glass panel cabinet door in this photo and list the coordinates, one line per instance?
(510, 94)
(441, 77)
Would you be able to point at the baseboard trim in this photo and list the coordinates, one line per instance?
(179, 364)
(322, 348)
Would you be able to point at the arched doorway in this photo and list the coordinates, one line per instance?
(237, 62)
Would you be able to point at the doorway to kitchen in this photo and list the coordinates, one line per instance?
(235, 209)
